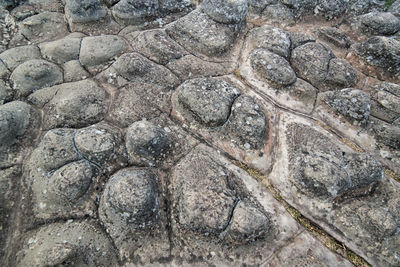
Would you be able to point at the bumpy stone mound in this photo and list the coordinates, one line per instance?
(181, 132)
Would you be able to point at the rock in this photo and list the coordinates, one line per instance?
(158, 46)
(381, 52)
(13, 57)
(98, 50)
(75, 104)
(78, 243)
(131, 197)
(247, 223)
(257, 6)
(197, 32)
(395, 8)
(332, 8)
(15, 118)
(33, 75)
(273, 39)
(43, 27)
(202, 197)
(62, 50)
(73, 71)
(247, 124)
(206, 101)
(147, 144)
(377, 221)
(278, 14)
(387, 134)
(85, 11)
(334, 36)
(311, 61)
(359, 7)
(4, 72)
(304, 93)
(340, 75)
(55, 150)
(385, 101)
(354, 104)
(299, 38)
(272, 68)
(130, 12)
(69, 183)
(169, 6)
(228, 11)
(6, 93)
(379, 23)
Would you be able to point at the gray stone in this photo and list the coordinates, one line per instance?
(6, 93)
(332, 8)
(273, 39)
(278, 14)
(247, 124)
(158, 46)
(131, 195)
(75, 104)
(300, 6)
(147, 144)
(334, 36)
(206, 101)
(73, 71)
(197, 32)
(395, 8)
(85, 11)
(70, 182)
(15, 118)
(385, 101)
(303, 92)
(98, 50)
(226, 11)
(272, 68)
(33, 75)
(388, 135)
(340, 75)
(354, 104)
(62, 50)
(247, 223)
(379, 23)
(168, 6)
(311, 61)
(257, 6)
(130, 12)
(45, 26)
(18, 55)
(299, 38)
(4, 72)
(381, 52)
(359, 7)
(78, 243)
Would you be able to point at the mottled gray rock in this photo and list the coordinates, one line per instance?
(359, 7)
(273, 39)
(62, 50)
(158, 46)
(379, 23)
(247, 124)
(385, 101)
(340, 75)
(354, 104)
(168, 6)
(74, 104)
(388, 135)
(303, 92)
(334, 36)
(197, 32)
(85, 11)
(45, 26)
(247, 223)
(18, 55)
(33, 75)
(226, 11)
(257, 6)
(4, 72)
(130, 12)
(73, 71)
(206, 101)
(6, 93)
(381, 52)
(332, 8)
(278, 14)
(147, 144)
(300, 6)
(98, 50)
(395, 8)
(272, 68)
(311, 61)
(78, 243)
(299, 38)
(15, 118)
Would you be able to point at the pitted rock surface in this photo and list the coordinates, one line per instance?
(199, 133)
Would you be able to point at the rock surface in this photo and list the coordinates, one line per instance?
(199, 133)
